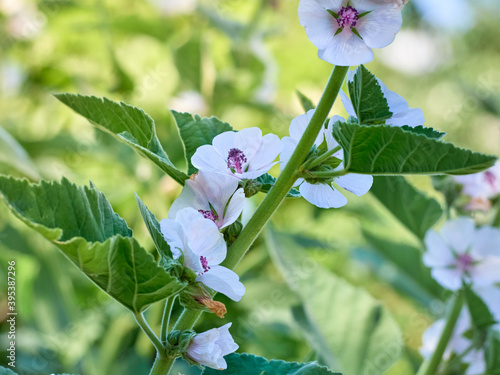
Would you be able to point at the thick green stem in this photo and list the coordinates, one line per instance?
(165, 322)
(281, 188)
(289, 175)
(430, 366)
(162, 365)
(149, 332)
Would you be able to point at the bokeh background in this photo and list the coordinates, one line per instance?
(241, 61)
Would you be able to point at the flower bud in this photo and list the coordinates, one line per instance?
(233, 231)
(251, 187)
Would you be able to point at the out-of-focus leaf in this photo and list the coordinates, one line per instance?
(390, 150)
(345, 325)
(154, 229)
(410, 276)
(305, 102)
(126, 123)
(15, 156)
(249, 364)
(480, 314)
(367, 97)
(411, 207)
(82, 223)
(188, 60)
(196, 132)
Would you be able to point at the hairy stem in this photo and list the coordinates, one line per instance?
(162, 365)
(281, 188)
(430, 366)
(320, 159)
(149, 332)
(165, 322)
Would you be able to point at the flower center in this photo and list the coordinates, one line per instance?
(235, 160)
(209, 214)
(465, 262)
(348, 17)
(204, 263)
(490, 178)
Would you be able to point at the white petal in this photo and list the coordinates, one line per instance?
(204, 350)
(430, 338)
(319, 25)
(450, 278)
(477, 363)
(346, 101)
(203, 237)
(207, 158)
(223, 143)
(268, 151)
(486, 241)
(358, 184)
(247, 140)
(226, 341)
(486, 273)
(288, 147)
(491, 296)
(322, 195)
(413, 117)
(438, 252)
(174, 235)
(251, 174)
(346, 49)
(223, 280)
(379, 28)
(234, 208)
(459, 234)
(330, 141)
(299, 124)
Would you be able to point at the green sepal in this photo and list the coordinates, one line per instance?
(356, 32)
(334, 15)
(339, 30)
(251, 187)
(178, 342)
(233, 231)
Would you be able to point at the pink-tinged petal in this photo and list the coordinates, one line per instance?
(254, 174)
(413, 117)
(288, 147)
(358, 184)
(486, 241)
(322, 195)
(450, 278)
(224, 142)
(268, 151)
(459, 234)
(189, 197)
(330, 141)
(207, 158)
(379, 28)
(204, 350)
(223, 280)
(234, 208)
(247, 140)
(438, 252)
(174, 235)
(319, 25)
(203, 237)
(346, 49)
(225, 340)
(346, 101)
(486, 273)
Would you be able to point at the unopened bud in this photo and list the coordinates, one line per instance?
(251, 187)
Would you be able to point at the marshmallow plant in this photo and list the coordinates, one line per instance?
(332, 161)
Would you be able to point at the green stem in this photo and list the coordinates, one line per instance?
(165, 322)
(321, 158)
(289, 175)
(162, 365)
(430, 366)
(149, 332)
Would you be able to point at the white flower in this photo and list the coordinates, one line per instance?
(245, 154)
(402, 114)
(491, 296)
(462, 252)
(458, 344)
(203, 247)
(323, 195)
(210, 347)
(215, 196)
(346, 31)
(484, 185)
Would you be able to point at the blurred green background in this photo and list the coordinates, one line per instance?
(242, 62)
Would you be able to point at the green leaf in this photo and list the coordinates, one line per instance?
(15, 156)
(492, 352)
(196, 132)
(481, 316)
(81, 222)
(126, 123)
(345, 325)
(249, 364)
(305, 102)
(390, 150)
(428, 132)
(411, 207)
(268, 182)
(367, 97)
(154, 229)
(410, 276)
